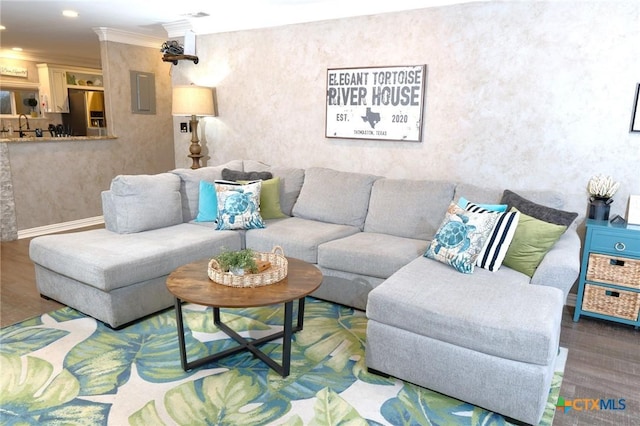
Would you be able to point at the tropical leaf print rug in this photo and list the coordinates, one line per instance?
(66, 368)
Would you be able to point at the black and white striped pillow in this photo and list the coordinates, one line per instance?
(496, 246)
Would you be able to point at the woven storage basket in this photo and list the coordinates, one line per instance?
(607, 301)
(276, 272)
(614, 270)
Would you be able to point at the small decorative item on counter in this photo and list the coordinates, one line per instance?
(601, 188)
(32, 103)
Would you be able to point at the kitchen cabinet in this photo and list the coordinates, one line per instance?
(84, 79)
(55, 81)
(53, 89)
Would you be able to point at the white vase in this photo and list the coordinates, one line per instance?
(237, 271)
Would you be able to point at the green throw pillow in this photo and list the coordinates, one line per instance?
(531, 242)
(270, 199)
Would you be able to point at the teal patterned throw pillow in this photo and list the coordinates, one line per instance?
(460, 238)
(239, 205)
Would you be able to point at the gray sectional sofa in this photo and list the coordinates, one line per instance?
(488, 338)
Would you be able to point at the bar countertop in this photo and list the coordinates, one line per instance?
(31, 139)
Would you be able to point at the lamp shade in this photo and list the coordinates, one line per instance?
(193, 100)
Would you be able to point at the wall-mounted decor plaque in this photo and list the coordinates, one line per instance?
(380, 103)
(635, 115)
(14, 71)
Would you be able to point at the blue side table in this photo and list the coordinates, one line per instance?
(609, 286)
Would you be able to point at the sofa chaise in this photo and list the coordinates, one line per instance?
(487, 337)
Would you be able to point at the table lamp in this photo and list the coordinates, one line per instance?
(193, 101)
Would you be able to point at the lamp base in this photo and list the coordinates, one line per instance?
(194, 148)
(196, 160)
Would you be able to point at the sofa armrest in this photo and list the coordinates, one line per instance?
(560, 267)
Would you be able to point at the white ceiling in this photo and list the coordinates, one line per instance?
(39, 28)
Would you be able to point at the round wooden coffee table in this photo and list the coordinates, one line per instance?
(190, 283)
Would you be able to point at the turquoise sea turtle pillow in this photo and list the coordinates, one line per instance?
(238, 205)
(460, 238)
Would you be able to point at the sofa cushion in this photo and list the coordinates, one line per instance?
(461, 237)
(138, 203)
(408, 208)
(108, 261)
(298, 237)
(496, 314)
(190, 185)
(291, 180)
(361, 253)
(478, 194)
(238, 205)
(333, 196)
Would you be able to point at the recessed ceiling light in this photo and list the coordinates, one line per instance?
(2, 27)
(195, 15)
(70, 13)
(17, 49)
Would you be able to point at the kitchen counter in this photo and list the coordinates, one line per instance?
(30, 139)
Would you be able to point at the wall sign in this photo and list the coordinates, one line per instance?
(13, 71)
(383, 103)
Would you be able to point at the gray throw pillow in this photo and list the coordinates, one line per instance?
(538, 211)
(235, 175)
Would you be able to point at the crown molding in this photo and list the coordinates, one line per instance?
(177, 28)
(127, 37)
(51, 59)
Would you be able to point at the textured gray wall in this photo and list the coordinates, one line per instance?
(527, 94)
(58, 182)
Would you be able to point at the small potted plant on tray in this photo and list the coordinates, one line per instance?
(238, 262)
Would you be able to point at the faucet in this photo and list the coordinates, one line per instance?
(20, 124)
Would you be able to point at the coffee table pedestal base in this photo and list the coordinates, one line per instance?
(250, 345)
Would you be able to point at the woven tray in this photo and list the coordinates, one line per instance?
(276, 272)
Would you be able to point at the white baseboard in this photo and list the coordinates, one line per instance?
(59, 227)
(571, 299)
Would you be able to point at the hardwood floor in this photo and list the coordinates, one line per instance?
(603, 360)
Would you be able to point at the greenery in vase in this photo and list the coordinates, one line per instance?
(601, 186)
(242, 259)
